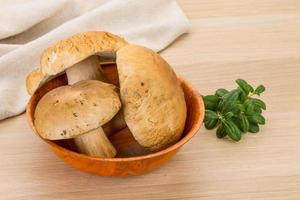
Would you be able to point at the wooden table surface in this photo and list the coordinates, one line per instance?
(258, 40)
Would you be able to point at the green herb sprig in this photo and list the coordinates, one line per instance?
(235, 112)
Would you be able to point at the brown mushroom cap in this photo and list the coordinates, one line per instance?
(153, 101)
(74, 49)
(65, 53)
(70, 111)
(34, 79)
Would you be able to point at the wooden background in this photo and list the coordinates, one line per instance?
(258, 40)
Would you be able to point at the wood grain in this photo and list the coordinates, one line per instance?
(258, 40)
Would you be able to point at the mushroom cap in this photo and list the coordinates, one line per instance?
(65, 53)
(35, 79)
(152, 98)
(72, 110)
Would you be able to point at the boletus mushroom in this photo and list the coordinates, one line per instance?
(78, 111)
(75, 52)
(152, 98)
(76, 57)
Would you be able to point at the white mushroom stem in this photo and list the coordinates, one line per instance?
(88, 69)
(115, 124)
(93, 143)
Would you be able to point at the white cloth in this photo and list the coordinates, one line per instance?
(29, 26)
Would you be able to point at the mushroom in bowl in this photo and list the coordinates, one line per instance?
(162, 111)
(76, 57)
(78, 111)
(153, 101)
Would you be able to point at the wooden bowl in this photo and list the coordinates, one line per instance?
(132, 159)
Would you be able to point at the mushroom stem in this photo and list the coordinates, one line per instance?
(115, 124)
(90, 143)
(94, 143)
(88, 69)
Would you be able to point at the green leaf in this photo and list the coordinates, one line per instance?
(211, 102)
(209, 115)
(261, 119)
(243, 96)
(257, 109)
(257, 119)
(243, 123)
(211, 124)
(249, 107)
(244, 86)
(221, 92)
(241, 107)
(229, 101)
(228, 115)
(260, 89)
(232, 130)
(259, 103)
(221, 132)
(241, 82)
(253, 128)
(235, 112)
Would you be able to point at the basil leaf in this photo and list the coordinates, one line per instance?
(210, 115)
(260, 89)
(260, 119)
(249, 107)
(221, 92)
(232, 130)
(257, 119)
(244, 86)
(257, 109)
(221, 131)
(211, 124)
(241, 107)
(241, 82)
(228, 115)
(243, 96)
(253, 128)
(243, 123)
(259, 103)
(211, 102)
(229, 101)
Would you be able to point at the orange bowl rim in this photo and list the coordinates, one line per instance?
(196, 126)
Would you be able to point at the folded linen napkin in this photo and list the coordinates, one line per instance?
(29, 26)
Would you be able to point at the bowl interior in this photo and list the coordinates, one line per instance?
(123, 140)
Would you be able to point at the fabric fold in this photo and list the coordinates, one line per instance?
(151, 23)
